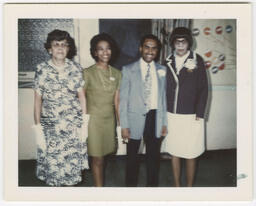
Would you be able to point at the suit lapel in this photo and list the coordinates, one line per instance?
(159, 83)
(170, 61)
(158, 67)
(138, 78)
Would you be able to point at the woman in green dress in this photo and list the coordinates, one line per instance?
(102, 83)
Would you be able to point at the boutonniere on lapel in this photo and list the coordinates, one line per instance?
(161, 72)
(190, 64)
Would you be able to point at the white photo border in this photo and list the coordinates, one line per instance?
(241, 12)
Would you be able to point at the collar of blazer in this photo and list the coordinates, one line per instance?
(170, 61)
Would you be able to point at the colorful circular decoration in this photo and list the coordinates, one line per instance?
(215, 60)
(207, 64)
(222, 57)
(215, 70)
(222, 66)
(195, 32)
(208, 53)
(229, 28)
(218, 30)
(207, 30)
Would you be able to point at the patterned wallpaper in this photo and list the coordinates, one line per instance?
(32, 34)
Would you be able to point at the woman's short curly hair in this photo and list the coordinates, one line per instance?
(59, 35)
(103, 37)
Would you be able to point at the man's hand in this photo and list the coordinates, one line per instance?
(126, 133)
(164, 131)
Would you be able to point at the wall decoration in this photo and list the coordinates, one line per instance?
(207, 31)
(215, 60)
(215, 70)
(222, 57)
(229, 28)
(208, 53)
(218, 30)
(221, 66)
(207, 64)
(218, 48)
(195, 32)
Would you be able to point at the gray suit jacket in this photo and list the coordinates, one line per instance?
(132, 103)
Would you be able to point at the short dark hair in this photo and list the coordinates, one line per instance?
(153, 37)
(181, 32)
(59, 35)
(103, 37)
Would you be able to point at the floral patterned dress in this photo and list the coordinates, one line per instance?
(61, 117)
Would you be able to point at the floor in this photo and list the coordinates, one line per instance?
(215, 169)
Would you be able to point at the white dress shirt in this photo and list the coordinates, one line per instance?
(154, 89)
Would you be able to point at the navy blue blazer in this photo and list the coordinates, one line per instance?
(187, 92)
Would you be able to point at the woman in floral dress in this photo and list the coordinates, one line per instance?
(102, 83)
(59, 106)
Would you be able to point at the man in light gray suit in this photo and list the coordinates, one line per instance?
(143, 110)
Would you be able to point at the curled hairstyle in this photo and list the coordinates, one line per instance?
(59, 35)
(181, 32)
(103, 37)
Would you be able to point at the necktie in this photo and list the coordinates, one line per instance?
(147, 88)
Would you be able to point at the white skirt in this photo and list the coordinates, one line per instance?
(185, 137)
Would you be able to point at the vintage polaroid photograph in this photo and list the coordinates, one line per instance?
(150, 100)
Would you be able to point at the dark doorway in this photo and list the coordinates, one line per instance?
(127, 34)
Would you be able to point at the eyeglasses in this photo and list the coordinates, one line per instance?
(182, 41)
(62, 45)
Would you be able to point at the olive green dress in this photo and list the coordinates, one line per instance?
(100, 86)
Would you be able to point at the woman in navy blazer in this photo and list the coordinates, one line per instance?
(187, 91)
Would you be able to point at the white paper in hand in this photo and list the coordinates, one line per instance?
(121, 144)
(118, 132)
